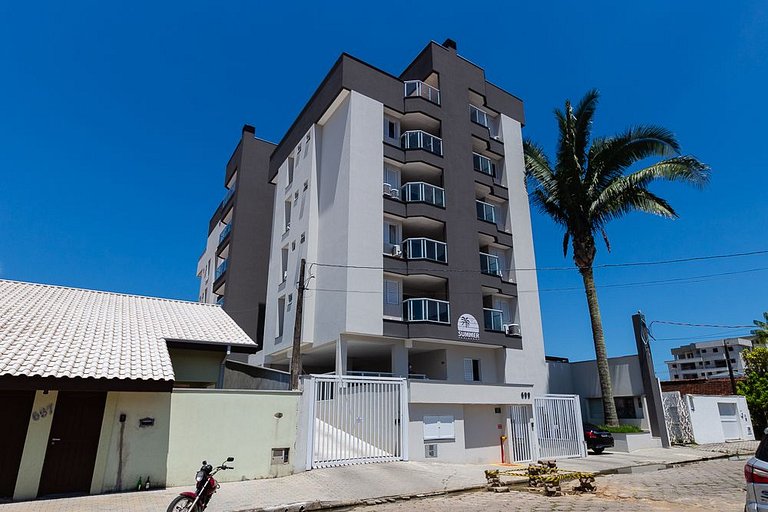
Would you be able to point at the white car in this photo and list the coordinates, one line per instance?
(756, 475)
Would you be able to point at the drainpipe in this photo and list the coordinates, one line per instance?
(222, 367)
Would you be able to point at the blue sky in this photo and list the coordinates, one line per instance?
(116, 121)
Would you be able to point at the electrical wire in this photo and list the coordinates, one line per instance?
(715, 326)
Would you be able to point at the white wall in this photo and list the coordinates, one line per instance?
(706, 420)
(528, 365)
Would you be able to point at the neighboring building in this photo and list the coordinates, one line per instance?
(581, 378)
(707, 359)
(233, 267)
(100, 389)
(406, 196)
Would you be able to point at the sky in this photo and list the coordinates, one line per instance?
(117, 119)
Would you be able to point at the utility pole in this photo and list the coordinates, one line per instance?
(730, 368)
(650, 382)
(296, 352)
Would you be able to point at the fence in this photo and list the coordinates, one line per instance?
(558, 426)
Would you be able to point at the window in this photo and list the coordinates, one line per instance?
(287, 216)
(391, 292)
(715, 349)
(280, 316)
(303, 238)
(472, 370)
(391, 176)
(438, 427)
(290, 170)
(391, 238)
(730, 349)
(284, 264)
(392, 130)
(306, 185)
(625, 407)
(703, 351)
(307, 138)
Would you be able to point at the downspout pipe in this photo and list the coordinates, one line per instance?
(222, 367)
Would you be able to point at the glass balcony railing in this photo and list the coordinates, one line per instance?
(426, 310)
(493, 320)
(483, 164)
(420, 192)
(486, 211)
(425, 249)
(221, 269)
(220, 301)
(489, 264)
(478, 115)
(418, 139)
(228, 196)
(426, 91)
(225, 232)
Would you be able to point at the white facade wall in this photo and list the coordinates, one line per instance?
(527, 365)
(206, 266)
(711, 421)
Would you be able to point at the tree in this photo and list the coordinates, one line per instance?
(754, 386)
(761, 333)
(591, 184)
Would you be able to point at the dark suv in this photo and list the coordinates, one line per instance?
(596, 438)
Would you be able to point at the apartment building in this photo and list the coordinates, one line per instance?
(708, 359)
(405, 195)
(233, 267)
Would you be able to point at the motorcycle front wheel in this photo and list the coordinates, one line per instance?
(182, 504)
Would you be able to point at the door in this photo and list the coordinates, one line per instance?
(729, 419)
(72, 445)
(17, 408)
(521, 417)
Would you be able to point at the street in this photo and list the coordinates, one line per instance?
(716, 485)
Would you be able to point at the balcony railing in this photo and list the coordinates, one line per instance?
(483, 164)
(493, 320)
(489, 264)
(221, 269)
(427, 310)
(420, 192)
(225, 232)
(228, 196)
(426, 91)
(418, 139)
(425, 249)
(220, 301)
(478, 115)
(486, 211)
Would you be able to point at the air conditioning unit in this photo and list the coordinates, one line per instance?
(512, 329)
(498, 138)
(387, 189)
(397, 250)
(394, 193)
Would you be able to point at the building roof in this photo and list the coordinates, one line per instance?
(54, 331)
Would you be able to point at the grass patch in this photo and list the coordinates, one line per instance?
(622, 429)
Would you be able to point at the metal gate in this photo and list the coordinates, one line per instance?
(677, 417)
(355, 420)
(520, 447)
(558, 426)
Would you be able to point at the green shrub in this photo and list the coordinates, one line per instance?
(621, 429)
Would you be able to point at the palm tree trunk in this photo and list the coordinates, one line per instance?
(609, 406)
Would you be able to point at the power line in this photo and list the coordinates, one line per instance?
(604, 265)
(715, 326)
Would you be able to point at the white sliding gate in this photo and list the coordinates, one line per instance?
(355, 420)
(558, 426)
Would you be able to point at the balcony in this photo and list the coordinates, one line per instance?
(224, 232)
(483, 164)
(486, 211)
(220, 301)
(419, 88)
(228, 196)
(221, 269)
(494, 320)
(426, 310)
(425, 249)
(478, 115)
(419, 139)
(422, 192)
(489, 264)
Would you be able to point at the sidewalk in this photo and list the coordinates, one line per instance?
(356, 484)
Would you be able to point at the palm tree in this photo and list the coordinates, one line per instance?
(592, 184)
(761, 333)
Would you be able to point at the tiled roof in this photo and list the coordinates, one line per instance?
(53, 331)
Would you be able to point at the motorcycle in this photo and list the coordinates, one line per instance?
(205, 487)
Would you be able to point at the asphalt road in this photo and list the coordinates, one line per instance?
(712, 485)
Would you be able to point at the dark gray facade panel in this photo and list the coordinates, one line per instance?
(250, 237)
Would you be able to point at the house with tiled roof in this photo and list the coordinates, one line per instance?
(101, 389)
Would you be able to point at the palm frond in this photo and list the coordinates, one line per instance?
(584, 113)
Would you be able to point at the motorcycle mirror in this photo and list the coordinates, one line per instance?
(230, 459)
(205, 462)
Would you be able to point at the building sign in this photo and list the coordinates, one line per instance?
(469, 329)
